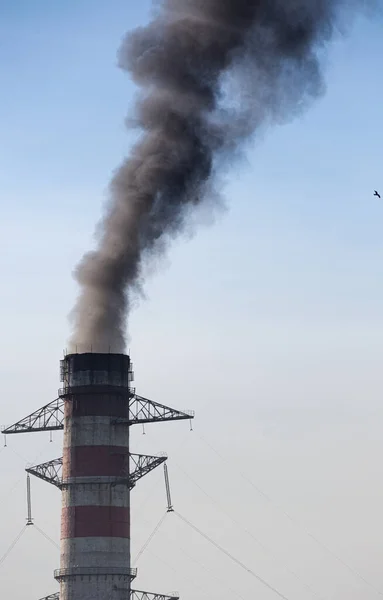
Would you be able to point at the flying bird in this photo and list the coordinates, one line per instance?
(377, 194)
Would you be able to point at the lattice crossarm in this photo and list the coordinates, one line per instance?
(134, 595)
(142, 465)
(138, 595)
(48, 418)
(142, 410)
(50, 471)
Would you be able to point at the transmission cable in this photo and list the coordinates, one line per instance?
(7, 553)
(155, 530)
(17, 539)
(189, 579)
(46, 536)
(265, 548)
(296, 522)
(199, 563)
(233, 558)
(208, 570)
(18, 481)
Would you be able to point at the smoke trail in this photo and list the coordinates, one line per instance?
(211, 73)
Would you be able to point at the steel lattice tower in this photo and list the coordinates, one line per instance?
(96, 473)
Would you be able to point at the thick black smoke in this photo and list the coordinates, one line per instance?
(211, 73)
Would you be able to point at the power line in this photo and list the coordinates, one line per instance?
(249, 533)
(11, 489)
(9, 550)
(233, 558)
(211, 573)
(296, 522)
(14, 486)
(150, 537)
(265, 548)
(199, 563)
(191, 581)
(46, 536)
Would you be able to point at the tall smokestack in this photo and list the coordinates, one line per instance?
(96, 408)
(95, 522)
(187, 62)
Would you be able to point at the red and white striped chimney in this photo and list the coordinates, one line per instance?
(95, 522)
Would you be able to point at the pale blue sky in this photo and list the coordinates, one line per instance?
(269, 323)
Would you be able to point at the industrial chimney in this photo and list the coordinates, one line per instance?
(96, 473)
(95, 519)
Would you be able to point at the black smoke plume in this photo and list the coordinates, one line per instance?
(211, 73)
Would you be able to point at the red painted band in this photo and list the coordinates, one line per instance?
(95, 521)
(97, 405)
(93, 461)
